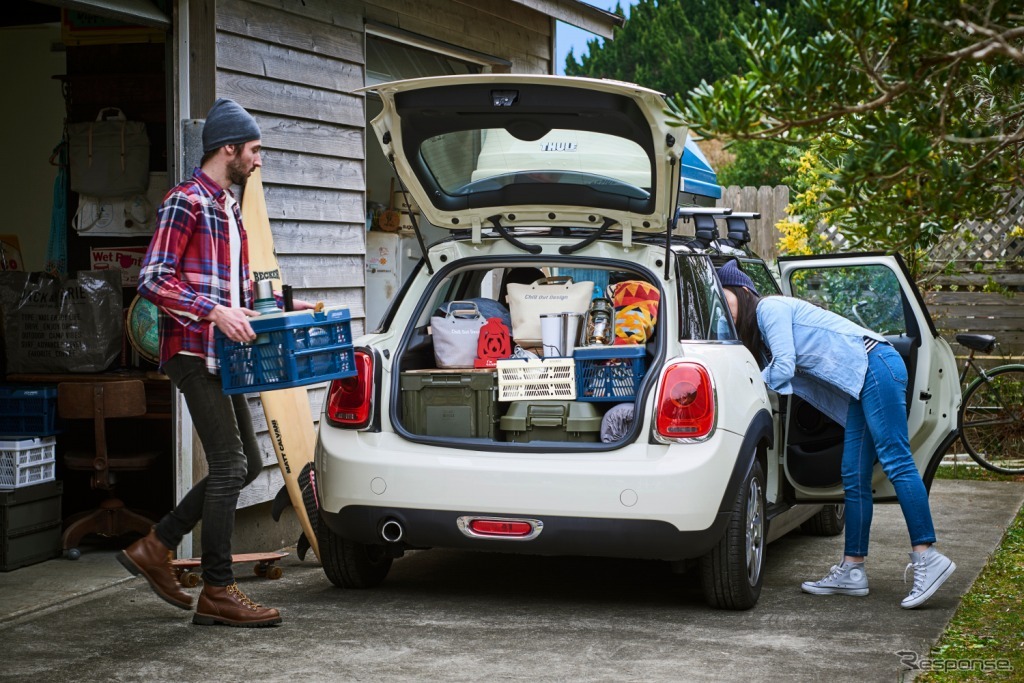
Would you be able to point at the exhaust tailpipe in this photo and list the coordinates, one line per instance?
(391, 531)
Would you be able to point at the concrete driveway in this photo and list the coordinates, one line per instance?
(455, 616)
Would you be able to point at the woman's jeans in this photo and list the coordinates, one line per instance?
(224, 426)
(876, 429)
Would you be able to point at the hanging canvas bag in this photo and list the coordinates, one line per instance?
(109, 157)
(456, 333)
(526, 304)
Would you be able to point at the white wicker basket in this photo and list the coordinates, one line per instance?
(545, 378)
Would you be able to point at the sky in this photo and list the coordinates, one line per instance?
(567, 36)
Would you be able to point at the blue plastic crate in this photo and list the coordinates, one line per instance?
(608, 373)
(28, 410)
(291, 350)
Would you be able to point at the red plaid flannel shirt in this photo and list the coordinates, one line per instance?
(187, 269)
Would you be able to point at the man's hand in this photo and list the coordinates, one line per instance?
(300, 305)
(233, 322)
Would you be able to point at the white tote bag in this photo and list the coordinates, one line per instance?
(526, 304)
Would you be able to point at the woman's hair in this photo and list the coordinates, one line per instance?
(746, 321)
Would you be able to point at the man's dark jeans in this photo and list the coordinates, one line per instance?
(224, 426)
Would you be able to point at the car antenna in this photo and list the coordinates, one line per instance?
(415, 224)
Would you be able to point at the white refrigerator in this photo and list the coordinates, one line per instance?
(390, 258)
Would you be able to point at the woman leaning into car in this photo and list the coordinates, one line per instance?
(857, 378)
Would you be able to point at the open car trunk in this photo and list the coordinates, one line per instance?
(582, 399)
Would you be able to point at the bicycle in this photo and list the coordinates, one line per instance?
(991, 419)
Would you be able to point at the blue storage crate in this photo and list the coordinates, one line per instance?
(291, 350)
(28, 410)
(608, 373)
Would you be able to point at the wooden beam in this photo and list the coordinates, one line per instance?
(578, 14)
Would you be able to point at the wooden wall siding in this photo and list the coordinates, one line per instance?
(493, 27)
(296, 73)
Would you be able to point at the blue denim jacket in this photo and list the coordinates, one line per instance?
(816, 354)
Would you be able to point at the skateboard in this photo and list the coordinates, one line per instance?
(289, 417)
(265, 567)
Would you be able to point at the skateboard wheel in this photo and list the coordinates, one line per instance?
(274, 573)
(189, 579)
(74, 553)
(259, 569)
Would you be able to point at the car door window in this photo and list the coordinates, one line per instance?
(868, 295)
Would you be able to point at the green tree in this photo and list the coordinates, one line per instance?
(673, 45)
(758, 162)
(926, 96)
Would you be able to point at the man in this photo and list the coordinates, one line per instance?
(197, 272)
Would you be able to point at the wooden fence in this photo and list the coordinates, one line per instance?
(975, 282)
(975, 278)
(771, 203)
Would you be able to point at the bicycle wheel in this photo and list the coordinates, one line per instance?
(992, 420)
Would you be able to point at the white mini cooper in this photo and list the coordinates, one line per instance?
(585, 178)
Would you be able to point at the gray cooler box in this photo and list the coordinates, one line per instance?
(551, 421)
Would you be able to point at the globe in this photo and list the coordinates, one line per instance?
(142, 329)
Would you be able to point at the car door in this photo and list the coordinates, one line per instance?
(876, 292)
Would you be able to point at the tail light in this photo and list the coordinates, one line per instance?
(686, 403)
(350, 400)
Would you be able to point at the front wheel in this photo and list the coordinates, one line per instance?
(992, 420)
(732, 572)
(349, 564)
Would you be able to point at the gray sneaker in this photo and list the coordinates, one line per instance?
(847, 578)
(931, 569)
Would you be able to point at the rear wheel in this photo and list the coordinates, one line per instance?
(732, 572)
(992, 420)
(830, 521)
(349, 564)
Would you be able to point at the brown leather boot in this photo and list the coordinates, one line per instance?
(151, 558)
(229, 606)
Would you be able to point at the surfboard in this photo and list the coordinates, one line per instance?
(289, 418)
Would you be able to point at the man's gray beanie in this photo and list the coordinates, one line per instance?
(228, 124)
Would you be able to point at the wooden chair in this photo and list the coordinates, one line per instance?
(101, 401)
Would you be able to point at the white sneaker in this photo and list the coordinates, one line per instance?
(931, 569)
(847, 578)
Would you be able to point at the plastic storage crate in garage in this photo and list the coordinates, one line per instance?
(30, 521)
(26, 461)
(28, 410)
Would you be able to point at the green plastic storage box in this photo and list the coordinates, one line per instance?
(453, 403)
(31, 524)
(551, 421)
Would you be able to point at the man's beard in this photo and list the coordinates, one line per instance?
(237, 173)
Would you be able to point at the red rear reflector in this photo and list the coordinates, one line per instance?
(686, 403)
(492, 527)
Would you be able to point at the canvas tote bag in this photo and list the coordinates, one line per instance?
(456, 334)
(526, 303)
(109, 157)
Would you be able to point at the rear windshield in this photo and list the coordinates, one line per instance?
(466, 162)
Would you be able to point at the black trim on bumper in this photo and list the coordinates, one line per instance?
(632, 538)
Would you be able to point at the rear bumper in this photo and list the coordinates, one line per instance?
(630, 538)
